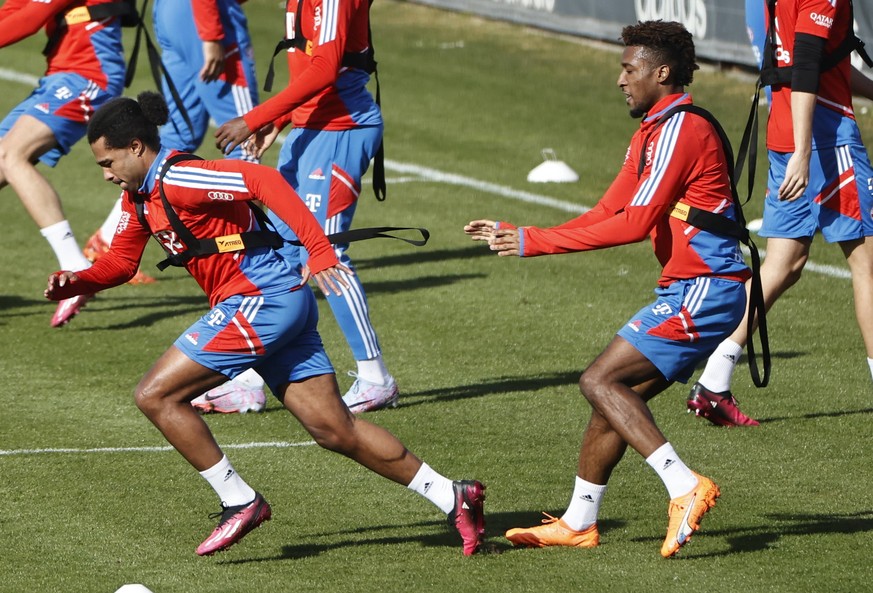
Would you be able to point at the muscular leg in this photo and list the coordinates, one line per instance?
(859, 256)
(19, 150)
(602, 446)
(621, 416)
(316, 403)
(164, 396)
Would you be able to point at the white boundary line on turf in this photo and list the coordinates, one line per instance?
(270, 445)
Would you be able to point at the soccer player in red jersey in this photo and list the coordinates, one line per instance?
(337, 130)
(820, 177)
(676, 163)
(263, 315)
(85, 69)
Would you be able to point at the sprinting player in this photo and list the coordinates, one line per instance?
(676, 163)
(207, 51)
(85, 68)
(337, 130)
(262, 315)
(819, 179)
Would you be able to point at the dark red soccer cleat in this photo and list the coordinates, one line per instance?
(719, 408)
(468, 516)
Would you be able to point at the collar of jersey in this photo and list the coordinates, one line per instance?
(665, 104)
(152, 176)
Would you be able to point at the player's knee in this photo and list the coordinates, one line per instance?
(589, 384)
(334, 440)
(147, 399)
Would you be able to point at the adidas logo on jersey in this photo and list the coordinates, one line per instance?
(318, 174)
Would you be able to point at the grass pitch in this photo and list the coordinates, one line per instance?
(486, 350)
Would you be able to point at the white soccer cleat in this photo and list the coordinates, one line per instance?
(231, 398)
(364, 396)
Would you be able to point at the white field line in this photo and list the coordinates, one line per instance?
(74, 451)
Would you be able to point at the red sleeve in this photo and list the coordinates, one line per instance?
(269, 187)
(631, 207)
(20, 19)
(321, 73)
(207, 20)
(815, 17)
(116, 266)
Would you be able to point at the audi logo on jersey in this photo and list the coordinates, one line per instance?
(650, 149)
(220, 195)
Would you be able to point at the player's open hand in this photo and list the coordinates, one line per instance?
(231, 134)
(329, 280)
(796, 178)
(480, 230)
(57, 281)
(213, 61)
(506, 242)
(261, 141)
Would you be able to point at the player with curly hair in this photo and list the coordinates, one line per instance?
(262, 314)
(676, 164)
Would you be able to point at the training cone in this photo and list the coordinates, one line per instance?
(551, 170)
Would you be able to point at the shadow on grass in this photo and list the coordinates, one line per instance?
(441, 536)
(423, 256)
(497, 385)
(759, 538)
(814, 415)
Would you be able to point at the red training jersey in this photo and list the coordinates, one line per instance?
(89, 48)
(322, 93)
(828, 19)
(209, 198)
(684, 160)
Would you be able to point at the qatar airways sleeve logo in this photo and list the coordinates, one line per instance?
(822, 20)
(122, 223)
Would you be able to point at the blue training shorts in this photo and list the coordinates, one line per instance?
(686, 323)
(838, 200)
(275, 333)
(64, 102)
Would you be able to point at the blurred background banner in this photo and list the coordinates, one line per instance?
(718, 26)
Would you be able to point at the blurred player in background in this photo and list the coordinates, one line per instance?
(820, 177)
(262, 315)
(85, 69)
(337, 130)
(676, 164)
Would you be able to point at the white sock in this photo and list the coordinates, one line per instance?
(110, 225)
(250, 378)
(373, 370)
(676, 476)
(63, 243)
(584, 506)
(870, 364)
(720, 366)
(228, 485)
(436, 488)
